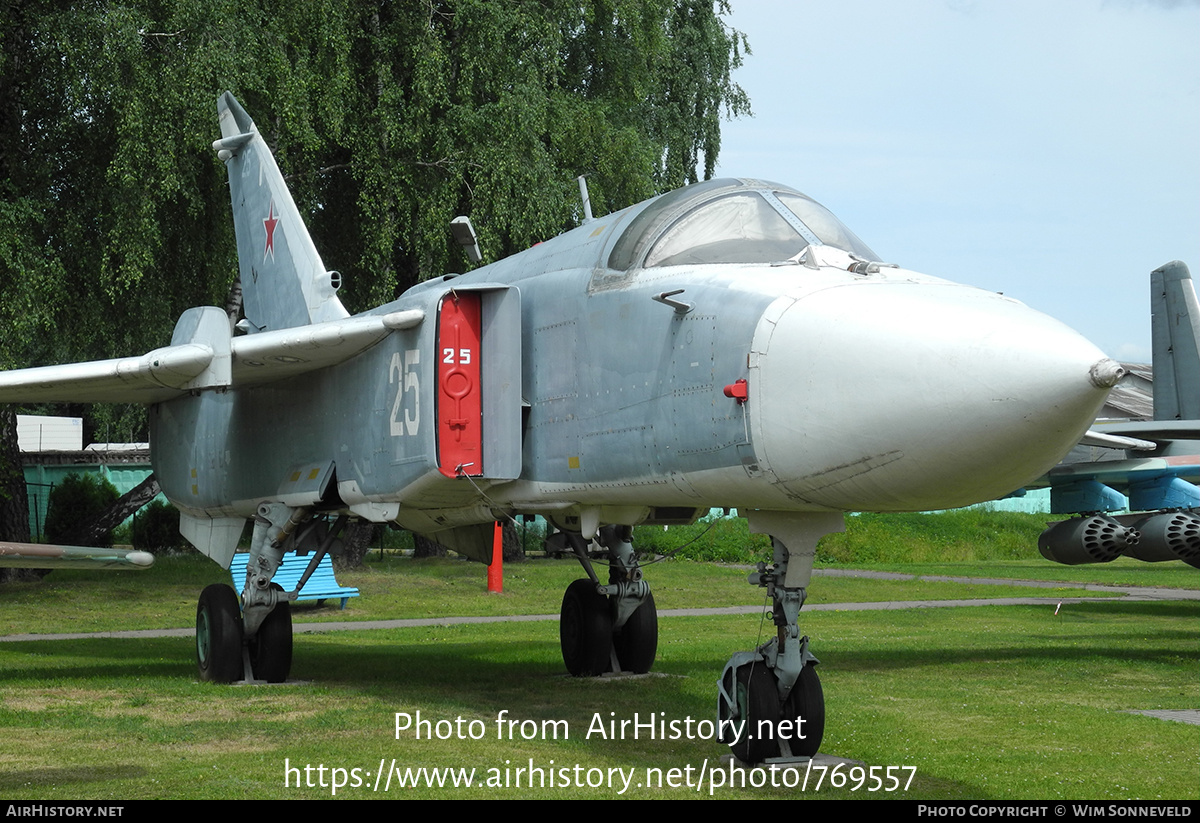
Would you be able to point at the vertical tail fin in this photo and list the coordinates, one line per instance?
(1175, 330)
(284, 282)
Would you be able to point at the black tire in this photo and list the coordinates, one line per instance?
(807, 700)
(219, 635)
(271, 648)
(585, 630)
(725, 709)
(757, 700)
(637, 642)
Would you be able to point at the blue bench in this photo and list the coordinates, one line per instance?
(320, 587)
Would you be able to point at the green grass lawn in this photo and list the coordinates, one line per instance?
(984, 702)
(164, 597)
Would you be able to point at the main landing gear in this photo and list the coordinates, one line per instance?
(770, 703)
(609, 628)
(226, 653)
(252, 639)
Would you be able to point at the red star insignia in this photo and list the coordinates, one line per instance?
(269, 224)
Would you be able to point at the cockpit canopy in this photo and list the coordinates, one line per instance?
(730, 221)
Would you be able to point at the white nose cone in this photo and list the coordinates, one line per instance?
(906, 397)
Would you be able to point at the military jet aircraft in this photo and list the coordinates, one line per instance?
(1149, 468)
(729, 344)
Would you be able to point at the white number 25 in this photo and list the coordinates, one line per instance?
(403, 374)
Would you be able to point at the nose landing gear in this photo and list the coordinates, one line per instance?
(770, 703)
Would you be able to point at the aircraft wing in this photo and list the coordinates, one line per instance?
(159, 375)
(1122, 474)
(1128, 457)
(41, 556)
(270, 356)
(203, 355)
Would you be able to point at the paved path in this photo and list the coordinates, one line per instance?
(1125, 593)
(1131, 592)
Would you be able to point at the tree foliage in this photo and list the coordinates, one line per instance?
(388, 119)
(492, 109)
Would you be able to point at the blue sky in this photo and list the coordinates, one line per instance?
(1047, 150)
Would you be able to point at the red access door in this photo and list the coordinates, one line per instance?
(459, 395)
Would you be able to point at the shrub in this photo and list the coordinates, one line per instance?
(962, 535)
(713, 538)
(156, 528)
(73, 503)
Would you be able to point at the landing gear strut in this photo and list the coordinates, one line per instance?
(608, 628)
(770, 702)
(253, 640)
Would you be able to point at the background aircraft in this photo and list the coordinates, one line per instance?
(730, 344)
(1149, 468)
